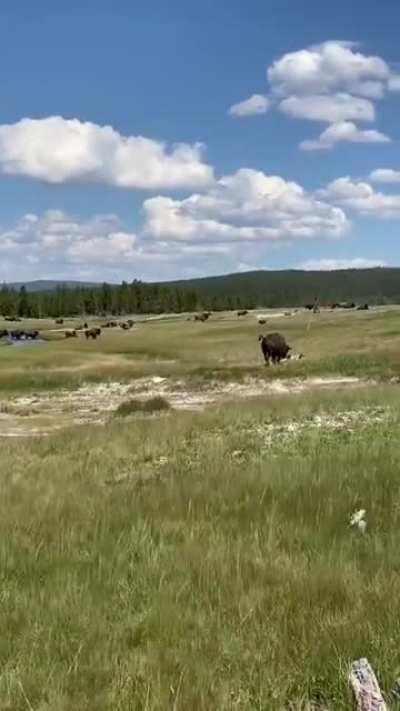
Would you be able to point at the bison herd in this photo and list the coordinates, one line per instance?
(19, 335)
(337, 305)
(95, 332)
(274, 347)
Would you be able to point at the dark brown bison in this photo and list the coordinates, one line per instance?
(59, 321)
(242, 313)
(92, 333)
(363, 307)
(31, 335)
(71, 333)
(3, 333)
(202, 317)
(274, 348)
(19, 335)
(125, 326)
(262, 321)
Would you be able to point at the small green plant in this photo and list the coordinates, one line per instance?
(153, 404)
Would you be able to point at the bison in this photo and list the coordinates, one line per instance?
(31, 335)
(262, 321)
(242, 313)
(71, 333)
(3, 333)
(274, 347)
(59, 321)
(202, 317)
(92, 333)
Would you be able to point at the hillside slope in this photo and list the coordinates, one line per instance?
(294, 288)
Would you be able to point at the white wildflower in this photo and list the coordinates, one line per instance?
(358, 520)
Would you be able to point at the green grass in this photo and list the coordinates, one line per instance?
(203, 561)
(361, 343)
(134, 406)
(190, 563)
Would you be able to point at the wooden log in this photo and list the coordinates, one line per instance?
(365, 687)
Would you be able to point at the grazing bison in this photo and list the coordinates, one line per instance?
(124, 326)
(274, 347)
(262, 321)
(92, 333)
(202, 317)
(31, 335)
(242, 313)
(130, 322)
(3, 333)
(364, 307)
(71, 333)
(59, 321)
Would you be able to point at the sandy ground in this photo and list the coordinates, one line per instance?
(44, 413)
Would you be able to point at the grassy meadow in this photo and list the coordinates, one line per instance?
(363, 344)
(204, 560)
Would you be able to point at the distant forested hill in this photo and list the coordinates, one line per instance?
(50, 285)
(232, 291)
(295, 288)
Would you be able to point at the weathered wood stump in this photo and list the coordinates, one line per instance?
(365, 687)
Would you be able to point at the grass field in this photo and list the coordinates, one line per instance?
(203, 560)
(351, 343)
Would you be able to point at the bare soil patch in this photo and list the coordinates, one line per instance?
(43, 413)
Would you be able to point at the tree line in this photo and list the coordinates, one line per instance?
(236, 291)
(137, 297)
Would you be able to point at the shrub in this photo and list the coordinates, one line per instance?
(131, 407)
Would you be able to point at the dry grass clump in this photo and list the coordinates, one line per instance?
(134, 406)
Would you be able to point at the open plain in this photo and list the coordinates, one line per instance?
(174, 518)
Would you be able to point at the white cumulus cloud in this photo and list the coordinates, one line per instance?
(255, 104)
(332, 109)
(332, 82)
(362, 198)
(245, 206)
(344, 131)
(328, 67)
(385, 175)
(58, 150)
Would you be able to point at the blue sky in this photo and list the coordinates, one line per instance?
(306, 173)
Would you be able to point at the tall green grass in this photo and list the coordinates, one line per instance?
(363, 344)
(148, 565)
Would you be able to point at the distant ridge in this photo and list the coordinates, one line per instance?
(289, 287)
(295, 287)
(49, 284)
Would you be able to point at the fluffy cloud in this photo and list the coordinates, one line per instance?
(328, 265)
(56, 245)
(361, 197)
(332, 109)
(385, 175)
(57, 150)
(329, 67)
(332, 82)
(246, 206)
(256, 104)
(55, 235)
(343, 131)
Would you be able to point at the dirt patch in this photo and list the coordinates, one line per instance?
(44, 413)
